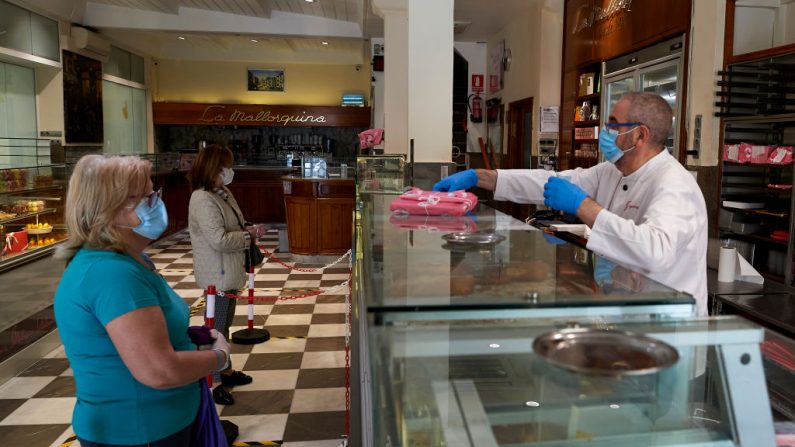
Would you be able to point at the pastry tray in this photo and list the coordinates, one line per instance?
(605, 352)
(475, 238)
(39, 230)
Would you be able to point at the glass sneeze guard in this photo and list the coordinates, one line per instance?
(411, 272)
(480, 384)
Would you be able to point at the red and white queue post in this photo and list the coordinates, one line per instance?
(209, 318)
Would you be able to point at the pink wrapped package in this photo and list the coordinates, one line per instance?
(368, 139)
(428, 203)
(731, 152)
(781, 155)
(759, 154)
(460, 224)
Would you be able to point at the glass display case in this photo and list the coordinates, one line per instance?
(411, 270)
(32, 195)
(776, 312)
(481, 384)
(444, 333)
(381, 173)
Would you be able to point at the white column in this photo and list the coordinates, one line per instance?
(430, 66)
(396, 80)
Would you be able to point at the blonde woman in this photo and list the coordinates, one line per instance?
(124, 329)
(220, 238)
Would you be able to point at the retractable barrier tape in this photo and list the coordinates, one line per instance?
(253, 443)
(303, 269)
(69, 441)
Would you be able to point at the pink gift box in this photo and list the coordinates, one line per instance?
(15, 242)
(759, 154)
(428, 203)
(460, 224)
(731, 152)
(781, 155)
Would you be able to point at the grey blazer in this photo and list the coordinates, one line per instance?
(218, 242)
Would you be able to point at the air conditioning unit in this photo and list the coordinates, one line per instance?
(90, 44)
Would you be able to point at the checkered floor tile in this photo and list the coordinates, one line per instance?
(298, 393)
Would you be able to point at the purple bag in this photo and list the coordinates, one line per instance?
(200, 335)
(207, 429)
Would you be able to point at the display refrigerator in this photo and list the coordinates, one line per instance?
(656, 69)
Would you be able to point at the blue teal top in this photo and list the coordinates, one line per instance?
(112, 406)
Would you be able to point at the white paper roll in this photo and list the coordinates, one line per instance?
(727, 264)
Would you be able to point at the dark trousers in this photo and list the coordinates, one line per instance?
(178, 439)
(224, 314)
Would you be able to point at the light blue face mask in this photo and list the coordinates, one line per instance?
(608, 146)
(153, 216)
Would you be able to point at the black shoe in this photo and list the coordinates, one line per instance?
(222, 396)
(236, 378)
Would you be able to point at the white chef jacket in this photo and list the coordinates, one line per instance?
(654, 220)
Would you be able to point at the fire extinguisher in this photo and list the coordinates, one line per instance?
(475, 108)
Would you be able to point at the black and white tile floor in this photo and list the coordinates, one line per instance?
(297, 398)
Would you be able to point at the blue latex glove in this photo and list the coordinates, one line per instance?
(460, 180)
(603, 271)
(563, 195)
(553, 240)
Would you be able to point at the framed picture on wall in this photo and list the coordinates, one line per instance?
(82, 99)
(265, 80)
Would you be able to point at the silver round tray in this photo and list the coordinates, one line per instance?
(476, 238)
(605, 351)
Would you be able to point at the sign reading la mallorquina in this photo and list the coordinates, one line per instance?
(259, 115)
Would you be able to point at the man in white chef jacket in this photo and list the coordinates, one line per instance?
(646, 212)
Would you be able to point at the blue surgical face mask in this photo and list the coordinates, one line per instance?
(608, 146)
(153, 216)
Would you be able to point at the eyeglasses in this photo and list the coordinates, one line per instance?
(630, 124)
(153, 196)
(150, 199)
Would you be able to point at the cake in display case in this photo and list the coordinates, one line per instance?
(32, 196)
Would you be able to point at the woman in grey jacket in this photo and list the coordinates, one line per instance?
(219, 245)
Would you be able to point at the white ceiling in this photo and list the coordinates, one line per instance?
(285, 30)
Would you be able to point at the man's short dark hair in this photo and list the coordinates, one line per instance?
(653, 111)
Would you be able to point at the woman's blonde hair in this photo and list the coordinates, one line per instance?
(99, 188)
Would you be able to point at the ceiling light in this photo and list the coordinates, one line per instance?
(254, 40)
(615, 406)
(532, 403)
(180, 38)
(325, 42)
(494, 345)
(310, 1)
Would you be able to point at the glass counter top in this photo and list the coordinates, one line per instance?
(467, 383)
(405, 265)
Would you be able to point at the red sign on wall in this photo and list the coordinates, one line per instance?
(494, 83)
(477, 83)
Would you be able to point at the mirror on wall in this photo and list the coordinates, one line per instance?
(494, 132)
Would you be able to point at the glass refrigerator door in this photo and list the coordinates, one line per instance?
(615, 88)
(663, 79)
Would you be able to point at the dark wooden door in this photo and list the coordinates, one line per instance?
(520, 145)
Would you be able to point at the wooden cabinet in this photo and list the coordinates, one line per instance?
(335, 223)
(259, 194)
(257, 191)
(319, 215)
(300, 212)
